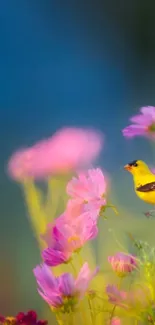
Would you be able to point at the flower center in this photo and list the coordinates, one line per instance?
(151, 127)
(10, 320)
(73, 239)
(69, 303)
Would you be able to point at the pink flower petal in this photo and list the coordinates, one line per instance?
(141, 120)
(144, 124)
(148, 111)
(84, 277)
(87, 186)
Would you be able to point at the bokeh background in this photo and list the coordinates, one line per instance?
(82, 63)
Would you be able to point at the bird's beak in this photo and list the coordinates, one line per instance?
(128, 168)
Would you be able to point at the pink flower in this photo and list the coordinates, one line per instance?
(115, 321)
(116, 296)
(87, 186)
(67, 150)
(122, 263)
(66, 237)
(63, 292)
(143, 124)
(152, 170)
(87, 191)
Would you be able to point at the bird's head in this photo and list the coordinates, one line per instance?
(137, 167)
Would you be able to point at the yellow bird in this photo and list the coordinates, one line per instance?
(144, 180)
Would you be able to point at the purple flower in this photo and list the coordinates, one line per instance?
(67, 236)
(63, 292)
(143, 124)
(122, 263)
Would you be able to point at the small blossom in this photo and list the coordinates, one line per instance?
(30, 318)
(88, 190)
(115, 321)
(143, 124)
(64, 292)
(66, 237)
(122, 263)
(116, 296)
(67, 150)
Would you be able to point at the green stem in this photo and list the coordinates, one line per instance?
(53, 197)
(73, 267)
(83, 314)
(71, 319)
(112, 313)
(91, 312)
(59, 320)
(113, 310)
(112, 207)
(120, 283)
(80, 259)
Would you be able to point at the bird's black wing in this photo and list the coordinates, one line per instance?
(149, 187)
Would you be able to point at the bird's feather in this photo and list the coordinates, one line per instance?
(149, 187)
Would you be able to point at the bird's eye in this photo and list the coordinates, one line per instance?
(133, 163)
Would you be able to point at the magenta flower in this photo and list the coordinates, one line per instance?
(122, 263)
(29, 318)
(88, 191)
(143, 124)
(66, 237)
(115, 321)
(116, 296)
(67, 150)
(63, 292)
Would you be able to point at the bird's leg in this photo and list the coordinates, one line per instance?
(150, 213)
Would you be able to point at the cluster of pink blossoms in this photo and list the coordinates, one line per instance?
(67, 235)
(71, 150)
(78, 224)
